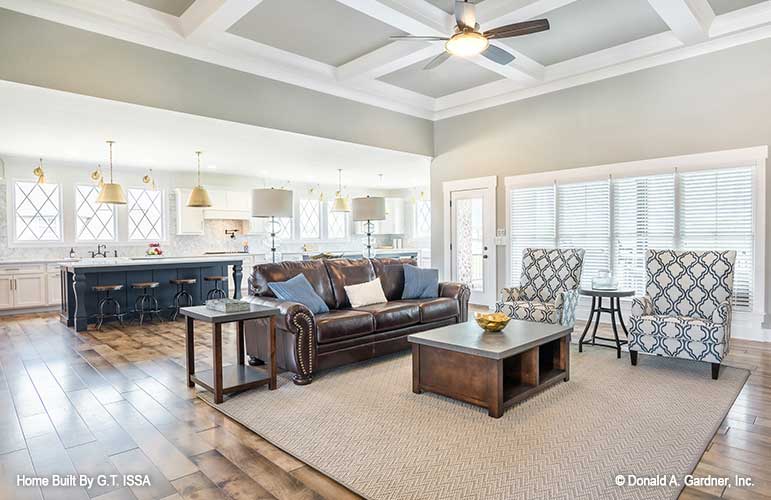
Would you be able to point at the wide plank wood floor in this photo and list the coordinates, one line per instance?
(116, 402)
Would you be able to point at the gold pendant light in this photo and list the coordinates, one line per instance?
(111, 193)
(40, 173)
(198, 196)
(341, 204)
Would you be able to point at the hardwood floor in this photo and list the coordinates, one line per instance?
(115, 402)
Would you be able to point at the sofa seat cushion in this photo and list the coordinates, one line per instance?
(392, 315)
(343, 324)
(540, 312)
(435, 309)
(678, 327)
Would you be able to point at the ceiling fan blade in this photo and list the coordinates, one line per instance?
(498, 55)
(465, 15)
(518, 29)
(420, 38)
(433, 63)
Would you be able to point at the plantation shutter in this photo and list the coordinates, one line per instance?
(583, 221)
(643, 218)
(532, 224)
(716, 214)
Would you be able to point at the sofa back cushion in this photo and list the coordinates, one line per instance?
(313, 270)
(548, 271)
(689, 284)
(344, 272)
(391, 274)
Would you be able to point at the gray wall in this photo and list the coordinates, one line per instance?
(714, 102)
(47, 54)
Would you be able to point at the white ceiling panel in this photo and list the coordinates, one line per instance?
(38, 122)
(173, 7)
(323, 30)
(723, 6)
(448, 5)
(454, 75)
(587, 26)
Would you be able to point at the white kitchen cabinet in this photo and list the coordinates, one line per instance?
(6, 292)
(257, 225)
(189, 219)
(29, 290)
(54, 289)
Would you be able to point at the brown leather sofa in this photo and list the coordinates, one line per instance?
(307, 343)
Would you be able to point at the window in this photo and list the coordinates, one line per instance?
(617, 220)
(423, 218)
(282, 227)
(643, 218)
(37, 209)
(93, 221)
(310, 219)
(532, 223)
(145, 214)
(583, 221)
(337, 223)
(716, 213)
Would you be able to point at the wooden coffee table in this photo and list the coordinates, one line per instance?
(491, 370)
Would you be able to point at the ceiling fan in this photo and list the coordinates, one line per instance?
(468, 41)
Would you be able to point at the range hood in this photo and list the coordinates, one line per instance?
(225, 214)
(228, 205)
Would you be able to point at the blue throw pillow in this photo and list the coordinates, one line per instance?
(299, 289)
(420, 283)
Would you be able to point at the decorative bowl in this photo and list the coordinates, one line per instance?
(492, 322)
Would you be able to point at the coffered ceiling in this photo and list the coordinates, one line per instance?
(342, 47)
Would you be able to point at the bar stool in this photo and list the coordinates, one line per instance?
(216, 292)
(146, 303)
(181, 294)
(107, 300)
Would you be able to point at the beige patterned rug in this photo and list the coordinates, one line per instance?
(363, 426)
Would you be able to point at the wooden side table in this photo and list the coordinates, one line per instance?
(223, 380)
(614, 310)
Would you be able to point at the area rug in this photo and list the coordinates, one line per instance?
(363, 426)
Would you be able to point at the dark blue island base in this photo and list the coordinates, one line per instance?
(79, 304)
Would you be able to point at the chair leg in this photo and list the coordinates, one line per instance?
(715, 370)
(633, 357)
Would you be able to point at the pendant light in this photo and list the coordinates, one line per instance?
(198, 196)
(111, 193)
(40, 173)
(341, 204)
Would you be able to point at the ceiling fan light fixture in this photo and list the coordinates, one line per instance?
(467, 44)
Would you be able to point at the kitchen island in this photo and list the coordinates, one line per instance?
(79, 302)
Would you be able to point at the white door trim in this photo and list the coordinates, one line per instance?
(491, 183)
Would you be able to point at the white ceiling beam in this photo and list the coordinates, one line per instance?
(494, 13)
(415, 17)
(206, 17)
(387, 59)
(690, 20)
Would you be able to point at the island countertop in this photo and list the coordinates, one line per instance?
(121, 262)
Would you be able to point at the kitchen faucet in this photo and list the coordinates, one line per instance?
(101, 251)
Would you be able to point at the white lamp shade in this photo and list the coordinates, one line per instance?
(271, 203)
(369, 208)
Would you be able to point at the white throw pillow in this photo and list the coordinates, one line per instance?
(365, 294)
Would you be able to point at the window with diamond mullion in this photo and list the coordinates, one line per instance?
(337, 223)
(423, 218)
(310, 219)
(145, 214)
(94, 221)
(37, 212)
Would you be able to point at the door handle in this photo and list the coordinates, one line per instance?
(484, 256)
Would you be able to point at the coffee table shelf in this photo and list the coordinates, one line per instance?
(492, 370)
(234, 378)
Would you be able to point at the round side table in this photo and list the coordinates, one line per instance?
(614, 310)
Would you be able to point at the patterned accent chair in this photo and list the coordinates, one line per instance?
(686, 312)
(548, 291)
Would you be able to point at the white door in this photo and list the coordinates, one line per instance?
(6, 295)
(472, 244)
(54, 289)
(29, 290)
